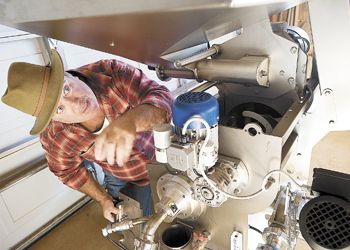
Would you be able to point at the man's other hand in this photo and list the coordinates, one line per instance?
(115, 142)
(109, 209)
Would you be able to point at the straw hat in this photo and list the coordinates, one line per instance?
(35, 89)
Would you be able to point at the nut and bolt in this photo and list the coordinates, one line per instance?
(262, 73)
(177, 64)
(293, 50)
(269, 182)
(173, 208)
(291, 80)
(282, 72)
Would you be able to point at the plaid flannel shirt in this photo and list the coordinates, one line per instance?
(119, 87)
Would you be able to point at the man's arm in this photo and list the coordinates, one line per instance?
(116, 141)
(96, 192)
(64, 160)
(149, 102)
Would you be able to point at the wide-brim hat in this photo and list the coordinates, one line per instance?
(35, 89)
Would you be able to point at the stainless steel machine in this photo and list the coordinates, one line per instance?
(240, 150)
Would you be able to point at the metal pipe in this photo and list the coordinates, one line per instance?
(140, 220)
(249, 69)
(152, 225)
(123, 225)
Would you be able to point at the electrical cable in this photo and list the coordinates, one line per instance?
(255, 229)
(296, 36)
(269, 174)
(201, 169)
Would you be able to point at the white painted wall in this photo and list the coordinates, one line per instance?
(32, 202)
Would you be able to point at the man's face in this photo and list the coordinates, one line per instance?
(77, 103)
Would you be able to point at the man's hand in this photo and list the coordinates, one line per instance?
(116, 141)
(109, 209)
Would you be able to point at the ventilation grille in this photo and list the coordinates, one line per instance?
(327, 222)
(194, 97)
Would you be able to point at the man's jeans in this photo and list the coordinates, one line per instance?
(140, 194)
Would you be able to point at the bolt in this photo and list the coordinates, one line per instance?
(137, 243)
(112, 44)
(303, 68)
(291, 80)
(331, 122)
(269, 182)
(293, 50)
(327, 92)
(173, 208)
(282, 72)
(236, 191)
(262, 73)
(177, 64)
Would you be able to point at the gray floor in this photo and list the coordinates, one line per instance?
(83, 229)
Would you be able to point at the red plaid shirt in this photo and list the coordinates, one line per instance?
(118, 87)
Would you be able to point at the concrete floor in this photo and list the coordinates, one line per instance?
(83, 229)
(80, 231)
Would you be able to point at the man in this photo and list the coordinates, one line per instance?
(101, 112)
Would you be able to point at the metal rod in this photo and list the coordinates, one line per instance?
(165, 74)
(213, 50)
